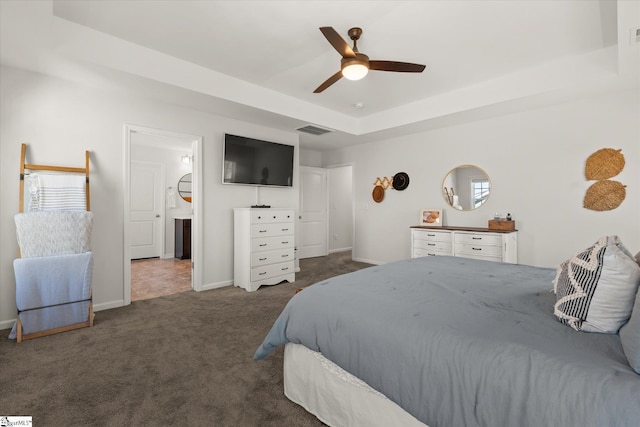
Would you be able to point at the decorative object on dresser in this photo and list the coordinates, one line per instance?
(604, 194)
(502, 224)
(182, 248)
(468, 242)
(264, 242)
(432, 217)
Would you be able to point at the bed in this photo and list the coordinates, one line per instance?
(448, 341)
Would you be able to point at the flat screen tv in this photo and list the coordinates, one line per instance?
(251, 161)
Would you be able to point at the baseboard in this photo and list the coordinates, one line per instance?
(108, 305)
(216, 285)
(332, 251)
(369, 261)
(7, 324)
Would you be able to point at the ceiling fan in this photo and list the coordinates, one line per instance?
(355, 65)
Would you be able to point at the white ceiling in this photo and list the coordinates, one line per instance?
(261, 60)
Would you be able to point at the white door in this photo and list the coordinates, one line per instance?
(146, 210)
(313, 213)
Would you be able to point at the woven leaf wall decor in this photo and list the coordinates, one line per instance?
(604, 164)
(604, 195)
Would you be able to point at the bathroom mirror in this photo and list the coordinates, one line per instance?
(184, 187)
(466, 187)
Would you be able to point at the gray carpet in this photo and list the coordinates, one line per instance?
(184, 359)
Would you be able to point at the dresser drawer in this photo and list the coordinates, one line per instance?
(272, 270)
(271, 243)
(272, 229)
(479, 239)
(433, 245)
(417, 253)
(478, 250)
(271, 257)
(431, 236)
(268, 216)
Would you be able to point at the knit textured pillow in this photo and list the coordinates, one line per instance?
(595, 289)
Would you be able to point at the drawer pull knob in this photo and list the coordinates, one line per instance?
(285, 255)
(285, 229)
(477, 238)
(431, 235)
(262, 231)
(284, 268)
(262, 259)
(262, 245)
(262, 274)
(477, 249)
(431, 254)
(431, 244)
(284, 243)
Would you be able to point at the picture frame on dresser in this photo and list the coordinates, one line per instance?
(431, 217)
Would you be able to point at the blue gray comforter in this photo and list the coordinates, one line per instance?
(461, 342)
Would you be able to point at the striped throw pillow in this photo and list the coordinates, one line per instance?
(595, 289)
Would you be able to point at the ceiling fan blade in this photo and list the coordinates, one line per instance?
(338, 42)
(401, 67)
(331, 80)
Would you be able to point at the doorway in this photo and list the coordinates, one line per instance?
(313, 213)
(327, 219)
(155, 161)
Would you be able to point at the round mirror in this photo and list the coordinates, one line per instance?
(466, 187)
(184, 187)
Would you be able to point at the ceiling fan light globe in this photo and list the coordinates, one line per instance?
(355, 71)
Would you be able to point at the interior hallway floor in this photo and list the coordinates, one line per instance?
(155, 277)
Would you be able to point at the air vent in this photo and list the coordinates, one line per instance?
(314, 130)
(635, 35)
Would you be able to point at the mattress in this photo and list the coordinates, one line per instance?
(335, 396)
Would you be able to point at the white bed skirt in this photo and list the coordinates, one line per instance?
(335, 396)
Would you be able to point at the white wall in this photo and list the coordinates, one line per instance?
(535, 160)
(311, 158)
(60, 120)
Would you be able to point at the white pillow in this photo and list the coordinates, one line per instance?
(595, 289)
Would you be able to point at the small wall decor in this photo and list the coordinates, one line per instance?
(604, 164)
(384, 182)
(432, 217)
(400, 181)
(605, 194)
(378, 193)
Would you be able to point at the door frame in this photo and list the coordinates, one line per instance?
(196, 204)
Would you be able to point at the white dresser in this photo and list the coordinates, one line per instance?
(468, 242)
(264, 244)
